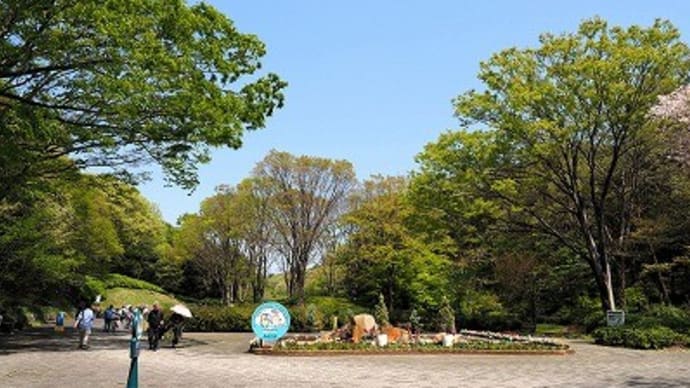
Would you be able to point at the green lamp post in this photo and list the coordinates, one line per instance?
(137, 329)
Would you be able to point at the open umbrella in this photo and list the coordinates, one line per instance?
(182, 310)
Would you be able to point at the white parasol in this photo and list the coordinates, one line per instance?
(182, 310)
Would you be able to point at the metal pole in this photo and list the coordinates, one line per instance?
(137, 328)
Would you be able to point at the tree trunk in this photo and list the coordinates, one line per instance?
(602, 276)
(660, 279)
(622, 283)
(297, 280)
(226, 291)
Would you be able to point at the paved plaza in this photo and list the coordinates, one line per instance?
(43, 359)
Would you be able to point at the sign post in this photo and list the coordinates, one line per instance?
(615, 317)
(270, 321)
(137, 329)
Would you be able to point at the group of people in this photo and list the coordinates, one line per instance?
(112, 317)
(157, 326)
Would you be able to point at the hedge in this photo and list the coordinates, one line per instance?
(314, 315)
(657, 337)
(220, 318)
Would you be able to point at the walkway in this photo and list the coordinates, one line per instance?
(44, 359)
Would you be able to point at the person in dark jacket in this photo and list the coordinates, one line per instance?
(155, 321)
(176, 324)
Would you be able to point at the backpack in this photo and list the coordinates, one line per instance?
(109, 314)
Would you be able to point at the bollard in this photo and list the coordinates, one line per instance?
(60, 322)
(134, 343)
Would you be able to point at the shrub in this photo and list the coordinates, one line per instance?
(299, 321)
(381, 312)
(446, 316)
(637, 337)
(415, 321)
(672, 317)
(483, 311)
(635, 300)
(221, 318)
(312, 317)
(329, 307)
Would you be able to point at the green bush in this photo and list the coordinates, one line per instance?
(635, 300)
(315, 315)
(329, 307)
(299, 322)
(484, 311)
(381, 312)
(637, 337)
(92, 288)
(221, 318)
(672, 317)
(585, 313)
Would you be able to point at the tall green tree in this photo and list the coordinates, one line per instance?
(306, 195)
(572, 120)
(212, 241)
(382, 255)
(118, 83)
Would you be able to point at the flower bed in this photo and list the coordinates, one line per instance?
(488, 346)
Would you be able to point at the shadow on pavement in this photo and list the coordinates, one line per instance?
(45, 339)
(639, 381)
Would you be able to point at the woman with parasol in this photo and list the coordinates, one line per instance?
(176, 322)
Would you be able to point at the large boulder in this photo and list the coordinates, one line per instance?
(363, 324)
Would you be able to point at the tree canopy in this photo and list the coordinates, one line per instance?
(571, 123)
(119, 83)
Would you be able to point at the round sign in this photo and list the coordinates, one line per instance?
(270, 321)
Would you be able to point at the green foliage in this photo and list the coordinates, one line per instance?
(92, 288)
(383, 255)
(122, 281)
(314, 317)
(675, 318)
(317, 313)
(306, 196)
(585, 312)
(221, 318)
(339, 307)
(545, 144)
(635, 300)
(446, 317)
(657, 337)
(415, 320)
(139, 81)
(485, 311)
(381, 312)
(303, 319)
(459, 347)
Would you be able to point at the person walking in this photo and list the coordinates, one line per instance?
(176, 324)
(109, 319)
(84, 323)
(155, 321)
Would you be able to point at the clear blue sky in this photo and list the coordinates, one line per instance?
(372, 81)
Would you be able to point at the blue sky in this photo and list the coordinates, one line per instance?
(372, 81)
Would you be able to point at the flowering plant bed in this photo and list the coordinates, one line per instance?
(475, 347)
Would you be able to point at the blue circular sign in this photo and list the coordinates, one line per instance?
(270, 321)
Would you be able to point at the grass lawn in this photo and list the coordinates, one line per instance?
(124, 296)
